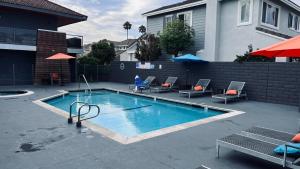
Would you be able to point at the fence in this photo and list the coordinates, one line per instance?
(16, 74)
(94, 73)
(267, 82)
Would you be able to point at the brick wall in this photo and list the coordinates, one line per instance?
(267, 82)
(49, 43)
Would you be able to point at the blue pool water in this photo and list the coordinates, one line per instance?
(131, 115)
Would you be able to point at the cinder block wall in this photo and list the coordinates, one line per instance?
(267, 82)
(49, 43)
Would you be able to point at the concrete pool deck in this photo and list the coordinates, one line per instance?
(32, 137)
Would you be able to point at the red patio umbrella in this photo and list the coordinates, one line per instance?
(287, 48)
(61, 57)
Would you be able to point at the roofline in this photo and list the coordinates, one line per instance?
(175, 8)
(287, 2)
(82, 18)
(291, 4)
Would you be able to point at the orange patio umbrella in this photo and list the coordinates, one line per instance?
(61, 57)
(287, 48)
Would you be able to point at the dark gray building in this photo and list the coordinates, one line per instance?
(28, 35)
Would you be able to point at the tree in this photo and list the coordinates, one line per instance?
(142, 29)
(248, 58)
(176, 37)
(127, 26)
(148, 48)
(103, 52)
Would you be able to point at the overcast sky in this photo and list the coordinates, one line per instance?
(106, 17)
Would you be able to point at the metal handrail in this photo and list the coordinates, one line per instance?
(78, 124)
(87, 84)
(70, 119)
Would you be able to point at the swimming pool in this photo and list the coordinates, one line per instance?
(130, 116)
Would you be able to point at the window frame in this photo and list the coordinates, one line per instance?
(262, 10)
(293, 22)
(187, 12)
(239, 23)
(168, 16)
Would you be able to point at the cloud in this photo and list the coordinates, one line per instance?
(106, 17)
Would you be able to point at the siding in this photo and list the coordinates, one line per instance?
(283, 18)
(155, 24)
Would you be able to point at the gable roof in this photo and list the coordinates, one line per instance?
(192, 3)
(128, 42)
(46, 7)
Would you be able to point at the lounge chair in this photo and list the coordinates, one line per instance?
(146, 84)
(149, 80)
(234, 86)
(204, 83)
(170, 81)
(258, 148)
(269, 135)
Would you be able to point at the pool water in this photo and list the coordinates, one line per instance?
(130, 115)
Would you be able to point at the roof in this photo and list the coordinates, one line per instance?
(192, 3)
(128, 42)
(66, 16)
(184, 3)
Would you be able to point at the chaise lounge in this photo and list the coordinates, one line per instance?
(165, 87)
(234, 91)
(145, 84)
(203, 89)
(260, 149)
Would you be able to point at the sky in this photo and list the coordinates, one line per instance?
(106, 17)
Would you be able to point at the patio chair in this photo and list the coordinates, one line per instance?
(54, 77)
(146, 84)
(259, 149)
(204, 83)
(234, 86)
(149, 79)
(269, 135)
(167, 88)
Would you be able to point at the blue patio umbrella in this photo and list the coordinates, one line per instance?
(188, 58)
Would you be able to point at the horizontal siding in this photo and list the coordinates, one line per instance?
(155, 25)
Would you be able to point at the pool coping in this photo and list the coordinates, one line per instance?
(129, 140)
(28, 92)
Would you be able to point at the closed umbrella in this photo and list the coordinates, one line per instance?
(61, 57)
(188, 58)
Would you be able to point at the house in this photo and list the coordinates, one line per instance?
(28, 35)
(225, 28)
(125, 50)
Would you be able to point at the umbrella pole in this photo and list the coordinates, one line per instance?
(61, 75)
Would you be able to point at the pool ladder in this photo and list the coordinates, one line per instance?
(80, 116)
(86, 82)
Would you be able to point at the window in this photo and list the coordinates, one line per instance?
(186, 17)
(245, 8)
(270, 15)
(293, 22)
(168, 19)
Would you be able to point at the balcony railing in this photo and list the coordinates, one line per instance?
(74, 41)
(18, 36)
(28, 37)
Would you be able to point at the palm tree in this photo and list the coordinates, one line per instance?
(127, 26)
(142, 29)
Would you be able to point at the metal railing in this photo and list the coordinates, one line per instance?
(74, 41)
(18, 36)
(80, 116)
(86, 82)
